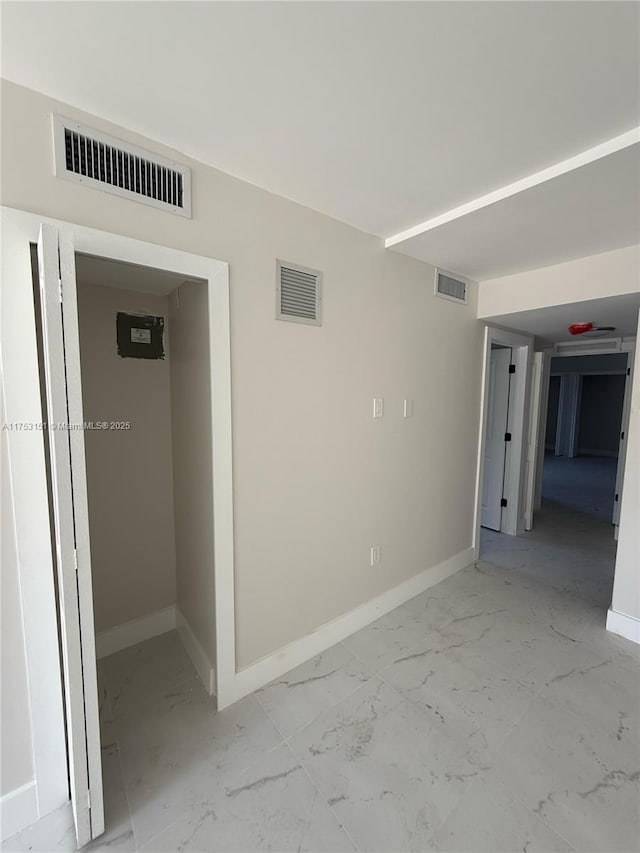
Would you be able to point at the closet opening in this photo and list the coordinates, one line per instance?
(144, 340)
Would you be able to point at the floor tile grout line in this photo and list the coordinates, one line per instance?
(124, 783)
(324, 799)
(120, 765)
(326, 708)
(301, 764)
(331, 708)
(156, 835)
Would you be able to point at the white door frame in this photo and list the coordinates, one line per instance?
(61, 367)
(21, 381)
(495, 444)
(568, 415)
(624, 432)
(538, 461)
(536, 434)
(516, 463)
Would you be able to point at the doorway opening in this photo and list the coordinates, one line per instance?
(146, 395)
(585, 435)
(576, 480)
(144, 357)
(131, 359)
(59, 624)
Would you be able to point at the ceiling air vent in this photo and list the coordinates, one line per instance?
(89, 157)
(299, 294)
(450, 287)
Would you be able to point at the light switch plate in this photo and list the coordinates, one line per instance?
(407, 410)
(375, 554)
(378, 407)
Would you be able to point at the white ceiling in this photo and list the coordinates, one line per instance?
(380, 114)
(551, 324)
(106, 272)
(587, 211)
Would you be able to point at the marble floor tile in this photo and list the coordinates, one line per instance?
(389, 771)
(578, 777)
(301, 695)
(392, 636)
(273, 805)
(118, 835)
(142, 675)
(489, 699)
(506, 642)
(179, 755)
(493, 712)
(489, 819)
(598, 689)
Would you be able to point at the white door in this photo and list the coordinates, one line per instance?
(56, 263)
(622, 447)
(495, 443)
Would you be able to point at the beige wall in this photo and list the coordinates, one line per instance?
(192, 460)
(626, 585)
(16, 766)
(607, 274)
(316, 480)
(129, 472)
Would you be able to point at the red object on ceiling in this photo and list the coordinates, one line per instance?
(581, 328)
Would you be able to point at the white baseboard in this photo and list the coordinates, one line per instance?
(197, 654)
(136, 631)
(626, 626)
(285, 659)
(18, 809)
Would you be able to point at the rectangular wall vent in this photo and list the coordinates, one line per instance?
(298, 294)
(588, 346)
(450, 287)
(89, 157)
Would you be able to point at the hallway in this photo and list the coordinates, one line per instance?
(571, 551)
(585, 483)
(492, 712)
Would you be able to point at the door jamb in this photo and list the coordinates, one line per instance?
(515, 468)
(542, 431)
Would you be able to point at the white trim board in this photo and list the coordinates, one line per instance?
(623, 625)
(285, 659)
(136, 631)
(611, 146)
(198, 656)
(18, 809)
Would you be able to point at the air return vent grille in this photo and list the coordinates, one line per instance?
(299, 294)
(450, 287)
(89, 157)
